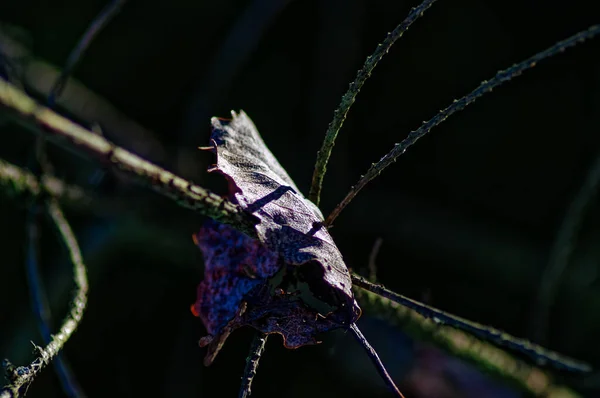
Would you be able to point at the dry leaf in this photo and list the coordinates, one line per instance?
(236, 290)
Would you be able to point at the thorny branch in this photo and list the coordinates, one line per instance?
(22, 376)
(184, 192)
(256, 349)
(485, 356)
(537, 353)
(339, 116)
(501, 77)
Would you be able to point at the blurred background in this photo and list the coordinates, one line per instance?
(468, 217)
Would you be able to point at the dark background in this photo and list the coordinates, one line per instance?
(467, 216)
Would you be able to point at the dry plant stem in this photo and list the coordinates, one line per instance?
(561, 252)
(184, 192)
(350, 96)
(485, 356)
(20, 181)
(485, 87)
(256, 349)
(22, 376)
(375, 358)
(92, 31)
(539, 354)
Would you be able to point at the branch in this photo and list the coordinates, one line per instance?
(20, 181)
(92, 31)
(23, 376)
(501, 77)
(339, 116)
(39, 300)
(256, 349)
(184, 192)
(538, 354)
(561, 252)
(38, 76)
(483, 355)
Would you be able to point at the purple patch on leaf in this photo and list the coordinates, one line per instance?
(234, 265)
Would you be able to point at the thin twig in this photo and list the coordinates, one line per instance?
(375, 359)
(485, 87)
(76, 54)
(339, 116)
(562, 249)
(256, 349)
(539, 354)
(485, 356)
(20, 181)
(22, 376)
(184, 192)
(373, 260)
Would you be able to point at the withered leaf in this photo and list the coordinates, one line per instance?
(289, 223)
(236, 291)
